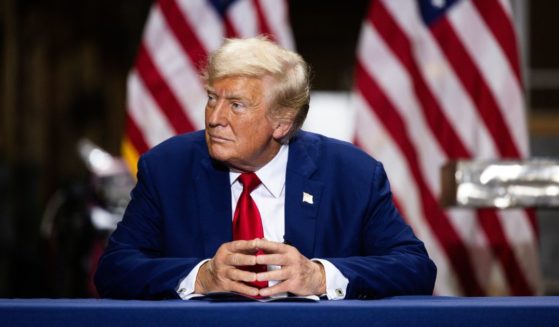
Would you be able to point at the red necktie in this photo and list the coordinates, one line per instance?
(247, 223)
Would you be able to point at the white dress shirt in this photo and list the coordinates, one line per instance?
(269, 197)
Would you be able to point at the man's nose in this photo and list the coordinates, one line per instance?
(217, 115)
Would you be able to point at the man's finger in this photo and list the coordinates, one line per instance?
(276, 289)
(271, 247)
(239, 259)
(242, 246)
(272, 259)
(241, 275)
(243, 289)
(280, 274)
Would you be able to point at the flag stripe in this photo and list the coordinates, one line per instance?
(499, 23)
(445, 85)
(230, 30)
(524, 241)
(400, 46)
(161, 92)
(473, 82)
(205, 21)
(492, 66)
(244, 18)
(501, 248)
(132, 144)
(533, 220)
(467, 225)
(276, 14)
(458, 255)
(261, 19)
(175, 68)
(135, 136)
(388, 75)
(183, 31)
(143, 110)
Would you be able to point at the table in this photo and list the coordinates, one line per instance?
(397, 311)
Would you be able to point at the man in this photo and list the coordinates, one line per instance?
(254, 205)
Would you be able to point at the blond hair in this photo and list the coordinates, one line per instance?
(259, 57)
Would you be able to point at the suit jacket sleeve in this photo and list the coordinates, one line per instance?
(134, 266)
(393, 260)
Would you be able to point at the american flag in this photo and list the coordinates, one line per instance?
(165, 95)
(440, 80)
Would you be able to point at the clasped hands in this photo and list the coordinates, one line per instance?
(298, 275)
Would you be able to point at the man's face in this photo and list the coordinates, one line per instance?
(238, 130)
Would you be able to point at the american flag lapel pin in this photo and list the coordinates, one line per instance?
(307, 198)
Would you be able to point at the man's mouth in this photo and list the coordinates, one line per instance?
(218, 139)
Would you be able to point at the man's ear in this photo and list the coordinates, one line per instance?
(281, 128)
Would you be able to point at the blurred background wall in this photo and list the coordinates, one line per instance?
(63, 74)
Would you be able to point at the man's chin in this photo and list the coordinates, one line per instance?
(219, 153)
(226, 159)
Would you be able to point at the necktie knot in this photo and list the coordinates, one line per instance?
(250, 181)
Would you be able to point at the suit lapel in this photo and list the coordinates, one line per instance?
(302, 195)
(213, 192)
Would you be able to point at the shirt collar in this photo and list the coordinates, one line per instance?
(272, 175)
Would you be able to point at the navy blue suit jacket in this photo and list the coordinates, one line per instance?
(180, 213)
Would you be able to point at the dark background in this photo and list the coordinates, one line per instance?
(63, 74)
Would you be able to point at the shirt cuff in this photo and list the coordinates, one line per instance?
(185, 290)
(336, 282)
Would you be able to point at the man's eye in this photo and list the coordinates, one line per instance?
(211, 100)
(236, 105)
